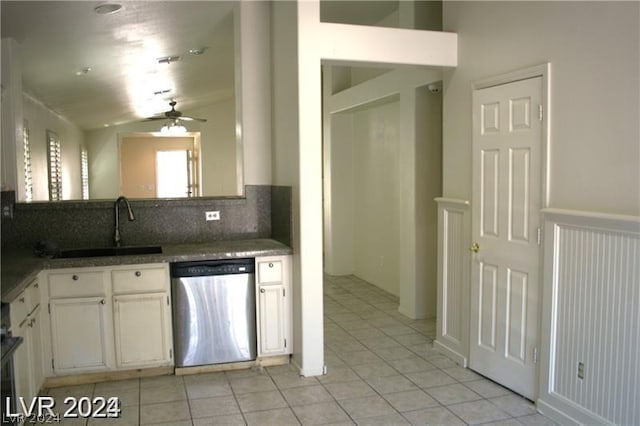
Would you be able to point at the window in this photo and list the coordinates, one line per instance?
(172, 174)
(55, 166)
(84, 172)
(28, 177)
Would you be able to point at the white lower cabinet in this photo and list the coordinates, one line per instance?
(79, 334)
(273, 296)
(108, 318)
(141, 329)
(26, 323)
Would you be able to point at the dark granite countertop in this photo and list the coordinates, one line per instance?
(19, 267)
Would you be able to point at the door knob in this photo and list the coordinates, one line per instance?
(475, 247)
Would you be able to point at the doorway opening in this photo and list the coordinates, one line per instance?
(158, 166)
(382, 155)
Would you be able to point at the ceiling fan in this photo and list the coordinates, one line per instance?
(174, 115)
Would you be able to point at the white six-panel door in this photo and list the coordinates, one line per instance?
(507, 135)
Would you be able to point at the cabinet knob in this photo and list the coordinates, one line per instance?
(262, 290)
(36, 285)
(102, 302)
(138, 273)
(21, 299)
(270, 265)
(75, 278)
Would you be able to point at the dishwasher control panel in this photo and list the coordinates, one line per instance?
(213, 267)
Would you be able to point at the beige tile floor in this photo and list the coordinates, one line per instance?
(382, 370)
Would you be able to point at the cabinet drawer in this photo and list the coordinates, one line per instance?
(78, 284)
(139, 280)
(270, 271)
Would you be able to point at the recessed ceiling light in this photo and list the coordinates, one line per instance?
(161, 92)
(107, 8)
(197, 51)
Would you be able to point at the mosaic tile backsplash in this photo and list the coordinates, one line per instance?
(91, 223)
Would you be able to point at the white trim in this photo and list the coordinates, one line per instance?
(453, 355)
(452, 201)
(585, 216)
(554, 414)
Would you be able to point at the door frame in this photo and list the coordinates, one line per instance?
(544, 72)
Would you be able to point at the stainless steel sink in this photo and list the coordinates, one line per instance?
(108, 251)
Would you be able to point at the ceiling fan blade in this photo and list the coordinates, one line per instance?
(192, 119)
(155, 118)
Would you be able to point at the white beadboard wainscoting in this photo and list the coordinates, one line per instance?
(591, 317)
(454, 230)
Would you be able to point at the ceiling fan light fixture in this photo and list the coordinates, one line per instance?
(83, 71)
(173, 127)
(107, 8)
(197, 51)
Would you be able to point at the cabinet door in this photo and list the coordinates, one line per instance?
(34, 344)
(271, 316)
(142, 329)
(21, 362)
(78, 334)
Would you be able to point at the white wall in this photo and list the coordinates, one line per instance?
(339, 198)
(594, 50)
(218, 145)
(253, 89)
(376, 189)
(40, 119)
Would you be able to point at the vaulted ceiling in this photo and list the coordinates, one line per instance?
(103, 69)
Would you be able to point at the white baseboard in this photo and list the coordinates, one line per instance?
(458, 358)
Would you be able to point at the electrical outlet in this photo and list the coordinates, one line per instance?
(213, 215)
(580, 370)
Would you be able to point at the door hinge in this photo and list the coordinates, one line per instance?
(52, 364)
(540, 114)
(284, 294)
(49, 308)
(170, 353)
(535, 355)
(285, 343)
(167, 300)
(539, 236)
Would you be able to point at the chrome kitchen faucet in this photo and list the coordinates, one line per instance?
(116, 236)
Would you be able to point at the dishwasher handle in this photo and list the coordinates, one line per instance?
(203, 268)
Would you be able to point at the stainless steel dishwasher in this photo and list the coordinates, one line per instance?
(214, 311)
